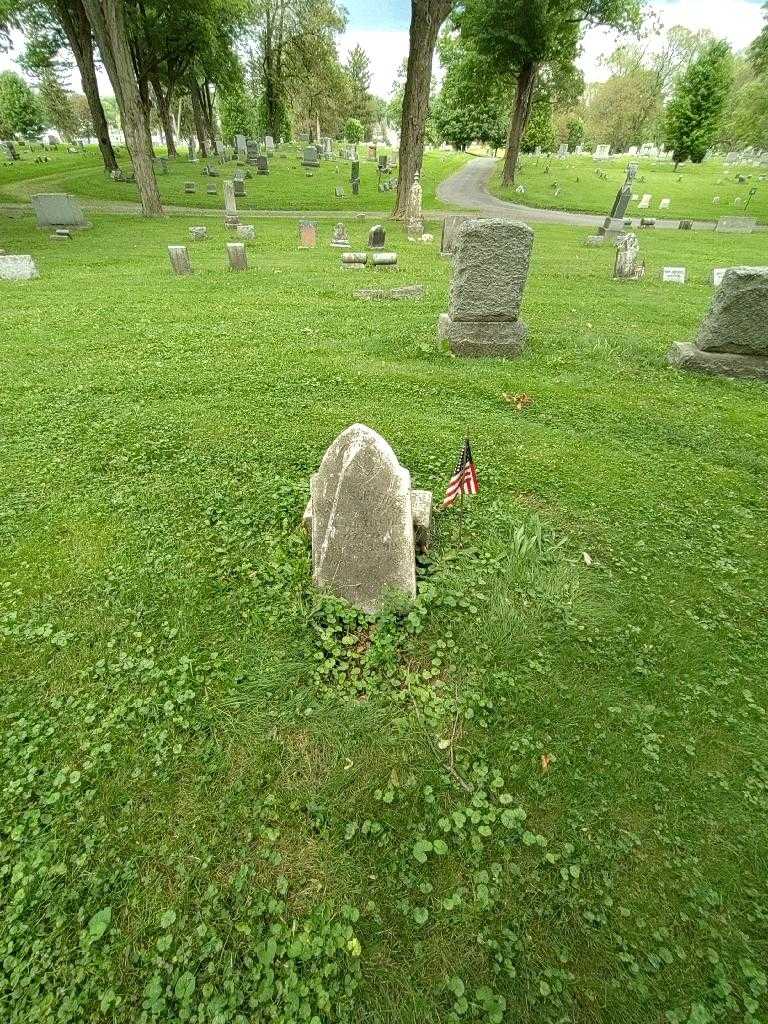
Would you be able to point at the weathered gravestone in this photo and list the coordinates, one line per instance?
(311, 158)
(414, 219)
(736, 225)
(17, 268)
(262, 165)
(491, 259)
(364, 521)
(246, 232)
(645, 202)
(355, 170)
(198, 233)
(307, 234)
(179, 257)
(340, 237)
(408, 291)
(733, 338)
(674, 275)
(613, 225)
(451, 226)
(238, 188)
(230, 205)
(190, 187)
(377, 237)
(58, 210)
(628, 266)
(252, 150)
(384, 260)
(354, 260)
(236, 255)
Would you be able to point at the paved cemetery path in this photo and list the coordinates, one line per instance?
(468, 190)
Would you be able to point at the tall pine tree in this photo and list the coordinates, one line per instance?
(695, 112)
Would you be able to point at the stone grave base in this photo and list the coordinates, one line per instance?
(501, 338)
(686, 356)
(421, 509)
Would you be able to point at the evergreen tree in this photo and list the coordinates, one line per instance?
(358, 72)
(695, 112)
(57, 105)
(20, 112)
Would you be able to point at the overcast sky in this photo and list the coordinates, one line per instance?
(381, 28)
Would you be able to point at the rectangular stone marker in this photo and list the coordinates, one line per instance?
(355, 170)
(311, 158)
(674, 275)
(409, 291)
(733, 338)
(190, 187)
(371, 152)
(354, 260)
(384, 260)
(628, 266)
(645, 202)
(198, 233)
(17, 268)
(239, 188)
(307, 234)
(736, 225)
(362, 521)
(180, 259)
(717, 276)
(262, 165)
(57, 210)
(236, 254)
(230, 206)
(246, 231)
(602, 153)
(665, 204)
(492, 258)
(252, 150)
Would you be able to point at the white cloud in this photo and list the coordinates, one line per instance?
(386, 50)
(739, 25)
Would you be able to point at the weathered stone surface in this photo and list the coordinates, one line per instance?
(17, 268)
(451, 227)
(354, 260)
(246, 231)
(612, 227)
(492, 259)
(198, 233)
(685, 356)
(421, 506)
(411, 291)
(179, 257)
(236, 254)
(738, 319)
(230, 205)
(307, 234)
(384, 259)
(628, 266)
(340, 237)
(362, 521)
(377, 237)
(595, 240)
(736, 225)
(502, 338)
(58, 210)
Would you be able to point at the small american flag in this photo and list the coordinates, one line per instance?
(464, 479)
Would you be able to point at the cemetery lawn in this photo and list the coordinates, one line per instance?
(582, 191)
(286, 187)
(539, 794)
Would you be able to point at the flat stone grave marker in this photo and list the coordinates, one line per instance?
(665, 204)
(736, 225)
(491, 259)
(409, 291)
(384, 260)
(354, 260)
(733, 338)
(58, 210)
(17, 268)
(307, 234)
(239, 188)
(645, 202)
(198, 233)
(362, 516)
(716, 278)
(674, 275)
(246, 231)
(190, 187)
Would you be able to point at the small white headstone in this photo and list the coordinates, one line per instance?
(717, 276)
(645, 202)
(674, 275)
(665, 204)
(17, 268)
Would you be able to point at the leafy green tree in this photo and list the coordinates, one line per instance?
(575, 132)
(353, 130)
(745, 121)
(540, 130)
(758, 51)
(57, 107)
(524, 35)
(696, 110)
(358, 72)
(237, 113)
(20, 112)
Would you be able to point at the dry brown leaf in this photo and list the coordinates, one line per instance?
(546, 761)
(520, 402)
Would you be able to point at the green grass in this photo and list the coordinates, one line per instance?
(691, 189)
(225, 799)
(287, 187)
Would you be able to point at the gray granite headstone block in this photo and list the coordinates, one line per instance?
(363, 546)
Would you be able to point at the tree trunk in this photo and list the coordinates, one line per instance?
(526, 82)
(197, 117)
(164, 111)
(74, 21)
(146, 106)
(107, 18)
(426, 18)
